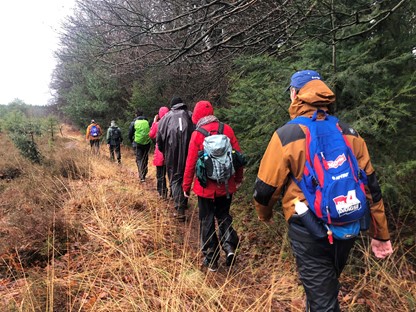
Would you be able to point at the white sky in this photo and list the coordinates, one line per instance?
(28, 38)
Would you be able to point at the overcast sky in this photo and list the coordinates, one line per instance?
(28, 38)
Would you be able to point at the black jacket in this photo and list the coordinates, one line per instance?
(114, 136)
(173, 136)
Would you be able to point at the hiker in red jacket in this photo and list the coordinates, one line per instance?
(158, 159)
(214, 200)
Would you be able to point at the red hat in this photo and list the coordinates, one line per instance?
(202, 109)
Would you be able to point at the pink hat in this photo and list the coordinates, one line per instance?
(202, 109)
(163, 111)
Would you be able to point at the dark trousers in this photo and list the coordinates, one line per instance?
(219, 209)
(95, 146)
(115, 149)
(175, 182)
(320, 265)
(161, 181)
(142, 159)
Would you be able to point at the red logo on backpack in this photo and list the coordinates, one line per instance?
(332, 164)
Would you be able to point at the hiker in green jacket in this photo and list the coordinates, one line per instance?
(139, 137)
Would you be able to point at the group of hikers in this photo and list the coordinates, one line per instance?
(114, 139)
(317, 165)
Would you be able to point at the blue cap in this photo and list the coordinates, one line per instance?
(300, 78)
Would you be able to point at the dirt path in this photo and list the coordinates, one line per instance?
(188, 231)
(245, 282)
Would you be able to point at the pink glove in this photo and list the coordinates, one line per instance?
(381, 249)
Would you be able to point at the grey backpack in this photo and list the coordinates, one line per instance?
(217, 156)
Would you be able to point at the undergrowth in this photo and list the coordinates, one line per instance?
(79, 233)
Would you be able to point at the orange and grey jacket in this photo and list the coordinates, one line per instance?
(285, 156)
(87, 133)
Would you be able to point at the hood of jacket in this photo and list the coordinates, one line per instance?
(312, 96)
(163, 111)
(179, 106)
(139, 118)
(202, 109)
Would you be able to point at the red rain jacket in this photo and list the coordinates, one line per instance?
(196, 144)
(158, 159)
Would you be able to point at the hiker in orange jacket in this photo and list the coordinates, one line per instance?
(93, 134)
(319, 262)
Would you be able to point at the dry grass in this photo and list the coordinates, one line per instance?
(109, 244)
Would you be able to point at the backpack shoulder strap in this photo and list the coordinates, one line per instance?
(203, 131)
(206, 133)
(220, 128)
(305, 121)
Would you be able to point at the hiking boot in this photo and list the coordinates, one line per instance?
(211, 265)
(230, 260)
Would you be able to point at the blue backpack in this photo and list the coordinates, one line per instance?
(332, 182)
(94, 132)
